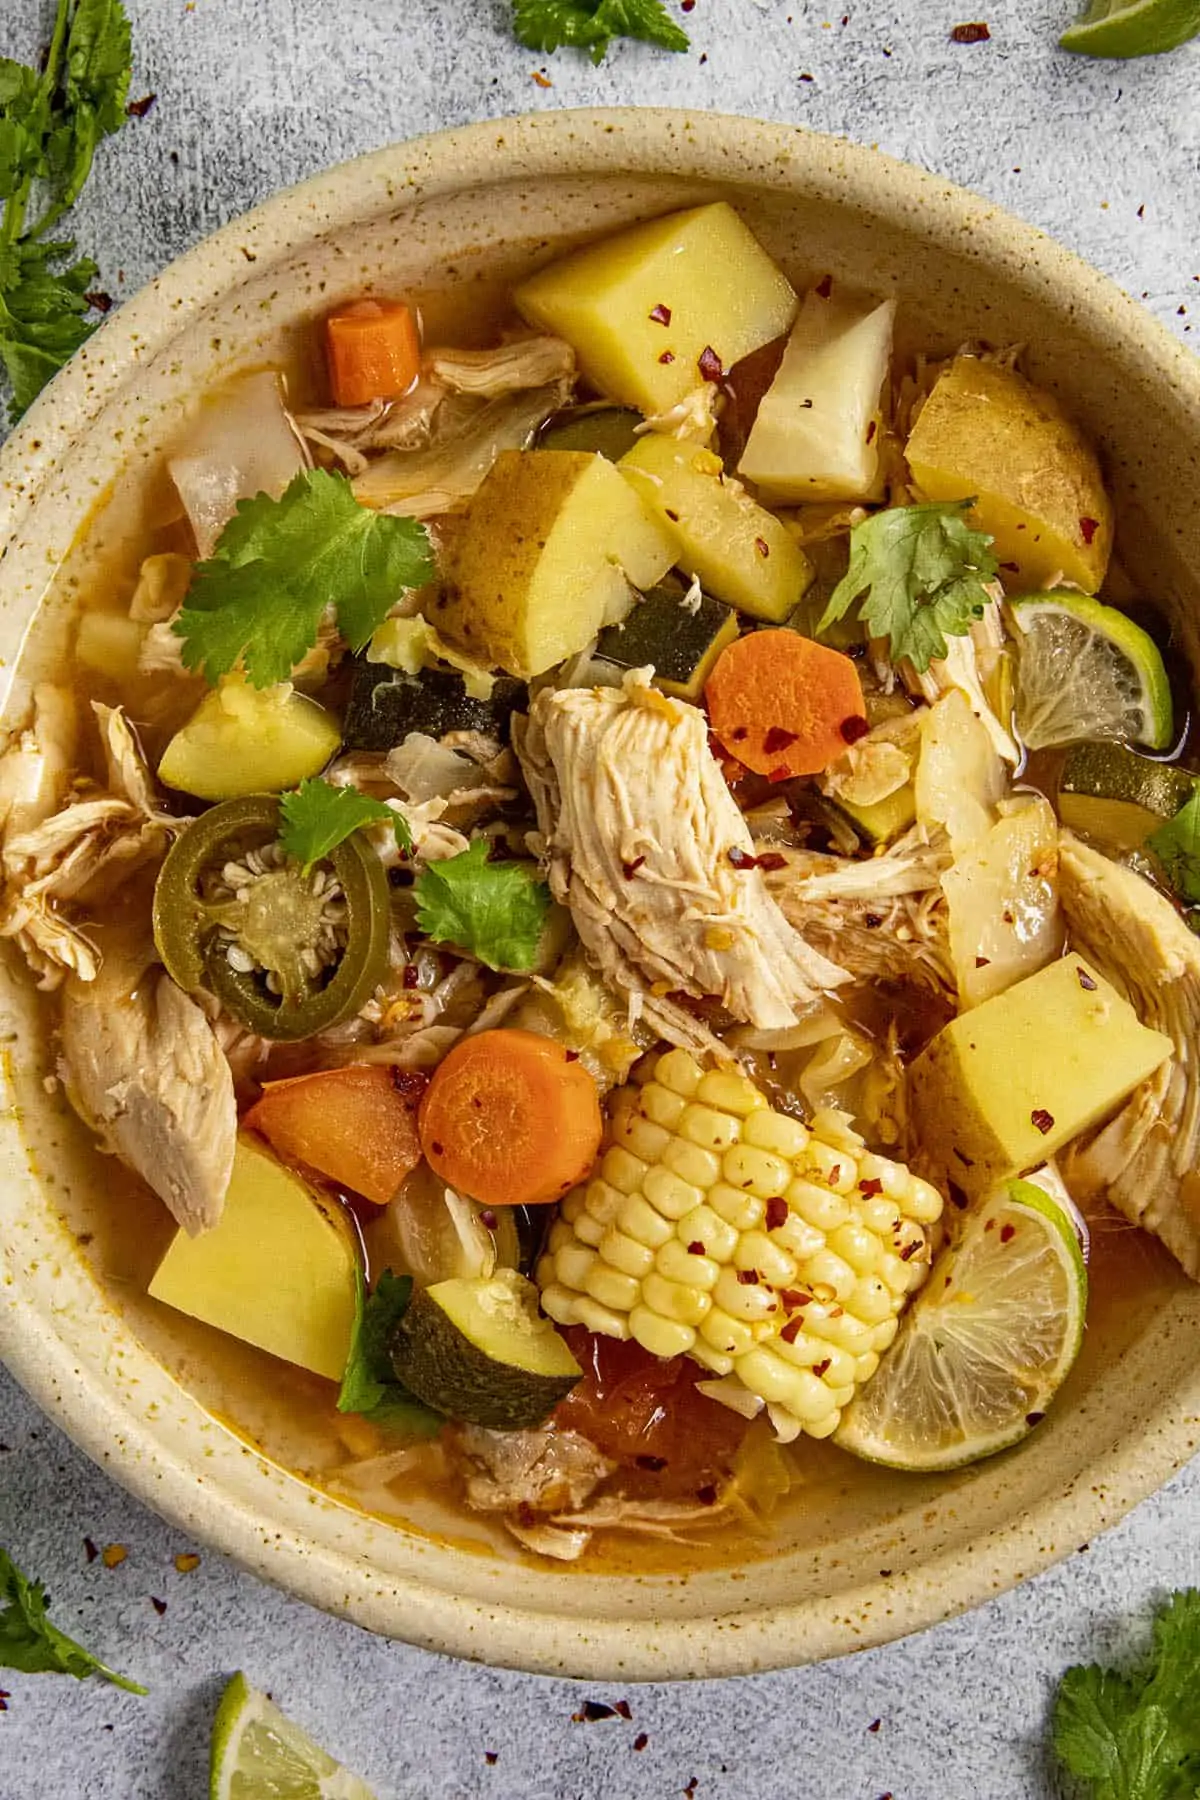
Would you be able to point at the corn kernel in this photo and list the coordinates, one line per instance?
(744, 1299)
(895, 1273)
(731, 1336)
(786, 1425)
(711, 1130)
(674, 1300)
(757, 1251)
(560, 1233)
(825, 1269)
(693, 1164)
(740, 1210)
(716, 1360)
(797, 1238)
(602, 1201)
(835, 1127)
(803, 1350)
(870, 1301)
(610, 1287)
(841, 1396)
(678, 1263)
(639, 1220)
(572, 1263)
(894, 1176)
(823, 1428)
(679, 1072)
(571, 1206)
(922, 1201)
(620, 1170)
(774, 1131)
(844, 1330)
(600, 1319)
(588, 1230)
(755, 1171)
(661, 1337)
(840, 1373)
(816, 1205)
(544, 1272)
(670, 1194)
(703, 1226)
(880, 1215)
(662, 1107)
(884, 1334)
(865, 1366)
(640, 1135)
(834, 1169)
(558, 1303)
(732, 1094)
(857, 1246)
(622, 1252)
(798, 1389)
(730, 1392)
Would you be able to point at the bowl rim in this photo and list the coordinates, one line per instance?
(724, 149)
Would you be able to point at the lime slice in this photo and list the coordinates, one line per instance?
(1087, 671)
(258, 1754)
(986, 1344)
(1110, 28)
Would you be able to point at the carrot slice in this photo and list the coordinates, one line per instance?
(356, 1126)
(374, 351)
(511, 1118)
(784, 705)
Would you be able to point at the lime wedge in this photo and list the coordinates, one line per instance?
(1087, 671)
(1111, 28)
(258, 1754)
(985, 1346)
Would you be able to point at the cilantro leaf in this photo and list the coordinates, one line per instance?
(496, 910)
(278, 564)
(1137, 1738)
(369, 1385)
(98, 67)
(1177, 847)
(29, 1642)
(922, 570)
(593, 24)
(317, 817)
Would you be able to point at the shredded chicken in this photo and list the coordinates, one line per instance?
(439, 475)
(143, 1068)
(692, 419)
(530, 362)
(966, 661)
(1146, 1160)
(35, 769)
(543, 1471)
(638, 825)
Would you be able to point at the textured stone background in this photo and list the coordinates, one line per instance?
(253, 94)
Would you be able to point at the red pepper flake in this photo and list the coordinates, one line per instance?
(491, 1758)
(1041, 1120)
(412, 976)
(822, 1367)
(910, 1250)
(137, 109)
(777, 739)
(876, 1723)
(90, 1550)
(696, 1248)
(694, 1782)
(438, 1149)
(791, 1331)
(160, 1606)
(824, 287)
(771, 860)
(792, 1298)
(623, 1708)
(687, 5)
(871, 430)
(99, 301)
(781, 774)
(572, 1056)
(748, 1277)
(971, 34)
(873, 921)
(673, 516)
(5, 1697)
(661, 315)
(487, 1219)
(409, 1083)
(630, 869)
(1085, 980)
(777, 1212)
(709, 365)
(1007, 1233)
(707, 1495)
(591, 1711)
(543, 81)
(983, 962)
(835, 1174)
(1088, 529)
(113, 1555)
(740, 733)
(1035, 1418)
(668, 356)
(642, 1739)
(872, 1185)
(957, 1197)
(762, 546)
(741, 859)
(187, 1562)
(854, 728)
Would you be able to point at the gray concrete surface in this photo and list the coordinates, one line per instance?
(258, 94)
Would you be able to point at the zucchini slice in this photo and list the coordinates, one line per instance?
(608, 430)
(883, 822)
(1117, 797)
(479, 1351)
(682, 645)
(385, 705)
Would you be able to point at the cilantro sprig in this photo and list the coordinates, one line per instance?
(1137, 1737)
(51, 122)
(317, 816)
(494, 910)
(593, 24)
(369, 1386)
(30, 1643)
(920, 574)
(278, 564)
(1177, 847)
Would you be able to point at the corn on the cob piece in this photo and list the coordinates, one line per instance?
(777, 1255)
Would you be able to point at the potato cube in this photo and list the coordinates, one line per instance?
(816, 432)
(985, 433)
(552, 541)
(1007, 1084)
(641, 308)
(743, 554)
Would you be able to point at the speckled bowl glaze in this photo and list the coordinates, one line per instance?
(476, 207)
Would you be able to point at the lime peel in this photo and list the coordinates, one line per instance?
(1115, 28)
(258, 1753)
(1087, 671)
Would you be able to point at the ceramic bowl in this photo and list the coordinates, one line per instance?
(468, 211)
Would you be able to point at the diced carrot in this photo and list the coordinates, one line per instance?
(511, 1118)
(356, 1126)
(783, 704)
(374, 351)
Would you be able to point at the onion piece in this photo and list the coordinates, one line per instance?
(243, 442)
